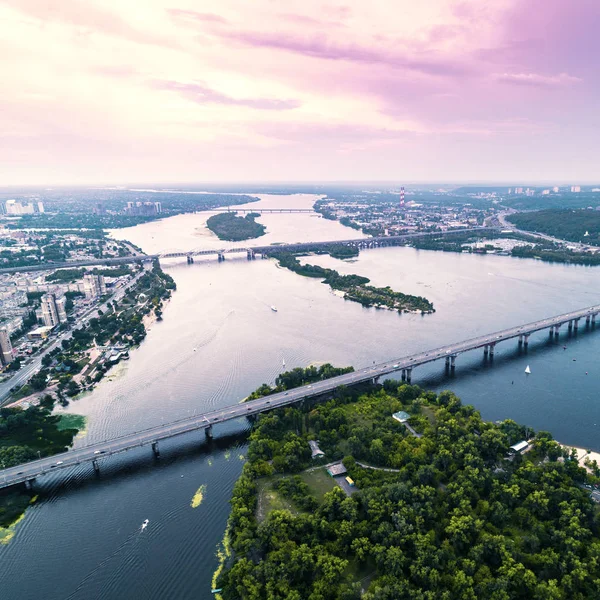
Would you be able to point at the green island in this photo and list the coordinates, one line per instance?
(565, 224)
(355, 287)
(436, 509)
(26, 434)
(228, 226)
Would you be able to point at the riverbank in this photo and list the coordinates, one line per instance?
(585, 457)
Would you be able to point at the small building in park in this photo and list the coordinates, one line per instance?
(337, 469)
(401, 416)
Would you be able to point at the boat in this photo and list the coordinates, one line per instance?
(283, 363)
(274, 308)
(527, 370)
(194, 349)
(145, 524)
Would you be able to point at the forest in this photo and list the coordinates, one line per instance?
(454, 516)
(228, 226)
(564, 224)
(355, 287)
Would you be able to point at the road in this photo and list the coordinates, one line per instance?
(24, 374)
(33, 469)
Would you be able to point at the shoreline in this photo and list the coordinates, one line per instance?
(582, 455)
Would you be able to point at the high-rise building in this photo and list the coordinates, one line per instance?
(158, 207)
(575, 189)
(13, 207)
(6, 355)
(49, 311)
(40, 207)
(61, 309)
(93, 285)
(555, 189)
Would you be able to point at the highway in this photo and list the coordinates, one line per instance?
(30, 471)
(374, 242)
(26, 372)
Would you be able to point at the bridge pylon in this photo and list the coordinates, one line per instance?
(208, 432)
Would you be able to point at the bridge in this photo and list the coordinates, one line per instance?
(260, 210)
(28, 472)
(252, 251)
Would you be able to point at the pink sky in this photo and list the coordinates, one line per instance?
(190, 91)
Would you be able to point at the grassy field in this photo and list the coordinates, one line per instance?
(269, 499)
(319, 482)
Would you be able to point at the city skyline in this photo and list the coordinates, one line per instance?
(187, 91)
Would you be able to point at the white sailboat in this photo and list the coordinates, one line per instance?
(527, 370)
(283, 362)
(274, 308)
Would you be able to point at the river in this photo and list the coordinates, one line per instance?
(219, 340)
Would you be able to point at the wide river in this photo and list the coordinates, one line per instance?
(220, 339)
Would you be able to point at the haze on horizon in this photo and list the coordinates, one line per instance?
(185, 91)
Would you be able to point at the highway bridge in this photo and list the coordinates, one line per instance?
(261, 210)
(252, 251)
(28, 472)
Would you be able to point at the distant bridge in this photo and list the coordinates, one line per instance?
(28, 472)
(261, 210)
(252, 251)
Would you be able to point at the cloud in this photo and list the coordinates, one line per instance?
(537, 80)
(321, 46)
(193, 15)
(202, 94)
(85, 15)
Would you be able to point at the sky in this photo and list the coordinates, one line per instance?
(118, 91)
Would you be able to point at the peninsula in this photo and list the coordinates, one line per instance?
(405, 494)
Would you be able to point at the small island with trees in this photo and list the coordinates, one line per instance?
(433, 505)
(228, 226)
(355, 288)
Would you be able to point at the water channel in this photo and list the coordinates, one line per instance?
(219, 340)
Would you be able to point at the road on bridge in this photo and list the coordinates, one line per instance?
(29, 471)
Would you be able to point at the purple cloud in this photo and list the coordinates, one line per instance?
(320, 46)
(537, 80)
(193, 15)
(202, 94)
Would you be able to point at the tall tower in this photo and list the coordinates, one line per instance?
(402, 196)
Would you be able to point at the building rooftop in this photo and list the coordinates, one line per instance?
(519, 447)
(314, 448)
(401, 416)
(335, 470)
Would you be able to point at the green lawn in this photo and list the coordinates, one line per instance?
(269, 499)
(319, 482)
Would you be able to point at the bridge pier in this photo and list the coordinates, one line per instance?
(452, 362)
(190, 260)
(208, 432)
(587, 320)
(593, 320)
(408, 375)
(96, 466)
(155, 449)
(29, 484)
(575, 325)
(486, 351)
(570, 327)
(447, 363)
(526, 340)
(250, 255)
(492, 346)
(220, 256)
